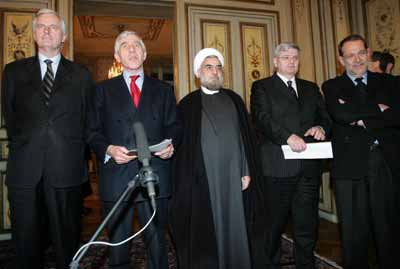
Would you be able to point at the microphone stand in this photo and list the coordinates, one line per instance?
(147, 178)
(129, 188)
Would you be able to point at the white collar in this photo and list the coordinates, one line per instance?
(56, 59)
(285, 79)
(207, 91)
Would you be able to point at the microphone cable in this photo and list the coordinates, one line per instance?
(115, 244)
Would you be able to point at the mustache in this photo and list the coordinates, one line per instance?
(213, 83)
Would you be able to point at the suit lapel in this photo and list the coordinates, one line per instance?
(282, 87)
(372, 85)
(63, 73)
(35, 74)
(123, 97)
(146, 95)
(348, 88)
(301, 92)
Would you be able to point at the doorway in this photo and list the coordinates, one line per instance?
(96, 24)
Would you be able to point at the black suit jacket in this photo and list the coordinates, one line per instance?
(351, 143)
(45, 139)
(112, 124)
(277, 115)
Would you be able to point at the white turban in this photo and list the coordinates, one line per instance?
(202, 55)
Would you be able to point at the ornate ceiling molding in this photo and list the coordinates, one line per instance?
(154, 29)
(150, 32)
(88, 28)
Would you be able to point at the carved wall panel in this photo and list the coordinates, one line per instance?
(255, 63)
(383, 19)
(240, 37)
(216, 34)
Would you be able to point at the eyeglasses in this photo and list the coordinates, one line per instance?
(352, 56)
(51, 27)
(289, 58)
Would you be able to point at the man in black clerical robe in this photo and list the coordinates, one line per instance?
(215, 189)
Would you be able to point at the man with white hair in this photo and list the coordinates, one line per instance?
(214, 168)
(119, 103)
(46, 102)
(289, 110)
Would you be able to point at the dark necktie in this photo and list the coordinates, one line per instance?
(48, 82)
(291, 89)
(135, 92)
(362, 87)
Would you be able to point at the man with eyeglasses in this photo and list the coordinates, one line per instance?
(365, 110)
(289, 110)
(214, 172)
(45, 103)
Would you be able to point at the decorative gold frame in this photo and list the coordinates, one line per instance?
(383, 21)
(255, 55)
(5, 205)
(3, 149)
(325, 194)
(18, 36)
(269, 2)
(216, 34)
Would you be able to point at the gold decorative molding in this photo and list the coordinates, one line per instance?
(341, 26)
(325, 194)
(154, 29)
(5, 205)
(269, 2)
(299, 7)
(303, 36)
(89, 26)
(216, 34)
(195, 14)
(341, 9)
(383, 19)
(18, 38)
(255, 55)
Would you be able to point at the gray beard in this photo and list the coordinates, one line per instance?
(212, 84)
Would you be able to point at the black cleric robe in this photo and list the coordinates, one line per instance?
(191, 213)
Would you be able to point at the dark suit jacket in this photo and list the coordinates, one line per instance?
(351, 143)
(112, 124)
(277, 115)
(44, 138)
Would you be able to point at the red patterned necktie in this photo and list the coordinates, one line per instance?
(135, 92)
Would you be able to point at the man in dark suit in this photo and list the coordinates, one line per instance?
(366, 146)
(45, 99)
(289, 110)
(120, 102)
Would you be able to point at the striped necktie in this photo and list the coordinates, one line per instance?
(48, 82)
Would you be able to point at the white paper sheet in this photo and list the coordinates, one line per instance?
(154, 148)
(320, 150)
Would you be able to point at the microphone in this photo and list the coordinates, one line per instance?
(147, 177)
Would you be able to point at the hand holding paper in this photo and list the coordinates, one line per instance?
(154, 148)
(320, 150)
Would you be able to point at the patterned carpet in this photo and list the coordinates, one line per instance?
(96, 257)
